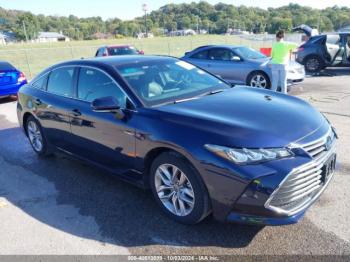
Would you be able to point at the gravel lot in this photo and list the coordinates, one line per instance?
(62, 206)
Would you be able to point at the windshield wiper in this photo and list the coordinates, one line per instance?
(195, 97)
(185, 99)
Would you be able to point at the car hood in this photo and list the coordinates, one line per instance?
(247, 117)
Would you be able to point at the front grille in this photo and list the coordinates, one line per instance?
(318, 148)
(304, 184)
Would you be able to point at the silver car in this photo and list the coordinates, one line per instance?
(240, 65)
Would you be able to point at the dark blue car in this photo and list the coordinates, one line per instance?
(242, 154)
(11, 79)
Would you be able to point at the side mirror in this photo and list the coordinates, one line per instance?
(105, 104)
(236, 58)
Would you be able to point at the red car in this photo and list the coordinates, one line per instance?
(118, 50)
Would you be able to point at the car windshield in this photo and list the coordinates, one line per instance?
(248, 53)
(163, 81)
(127, 50)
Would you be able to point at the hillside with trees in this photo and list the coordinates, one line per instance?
(215, 19)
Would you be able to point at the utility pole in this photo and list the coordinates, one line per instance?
(145, 9)
(198, 25)
(25, 31)
(228, 24)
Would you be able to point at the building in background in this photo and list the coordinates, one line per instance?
(7, 38)
(185, 32)
(48, 37)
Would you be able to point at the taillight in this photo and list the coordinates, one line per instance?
(300, 49)
(21, 78)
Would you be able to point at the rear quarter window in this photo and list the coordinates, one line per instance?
(40, 83)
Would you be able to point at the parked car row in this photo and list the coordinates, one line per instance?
(240, 65)
(237, 65)
(202, 147)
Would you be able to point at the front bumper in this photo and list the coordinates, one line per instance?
(265, 221)
(253, 201)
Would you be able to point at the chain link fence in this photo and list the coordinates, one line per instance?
(33, 58)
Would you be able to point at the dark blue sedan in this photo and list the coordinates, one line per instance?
(242, 154)
(11, 79)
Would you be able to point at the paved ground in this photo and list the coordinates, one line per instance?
(61, 206)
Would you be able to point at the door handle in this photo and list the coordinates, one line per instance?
(75, 112)
(38, 102)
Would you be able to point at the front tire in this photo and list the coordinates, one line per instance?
(178, 189)
(259, 80)
(36, 137)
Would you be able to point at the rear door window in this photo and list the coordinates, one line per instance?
(200, 55)
(61, 81)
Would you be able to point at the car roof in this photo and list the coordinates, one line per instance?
(217, 46)
(116, 60)
(116, 46)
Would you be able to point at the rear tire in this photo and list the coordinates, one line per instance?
(178, 189)
(313, 64)
(37, 137)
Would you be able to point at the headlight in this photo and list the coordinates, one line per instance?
(248, 156)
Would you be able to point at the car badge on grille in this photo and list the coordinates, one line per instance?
(328, 144)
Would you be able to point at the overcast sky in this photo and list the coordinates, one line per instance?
(128, 9)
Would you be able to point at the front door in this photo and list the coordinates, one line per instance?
(101, 137)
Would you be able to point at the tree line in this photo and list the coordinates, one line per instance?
(215, 19)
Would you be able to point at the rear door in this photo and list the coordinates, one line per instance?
(335, 49)
(52, 101)
(101, 137)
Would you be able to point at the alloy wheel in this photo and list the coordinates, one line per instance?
(259, 81)
(35, 136)
(174, 190)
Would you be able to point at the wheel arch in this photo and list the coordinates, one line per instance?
(154, 153)
(25, 119)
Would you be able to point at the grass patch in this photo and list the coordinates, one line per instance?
(34, 57)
